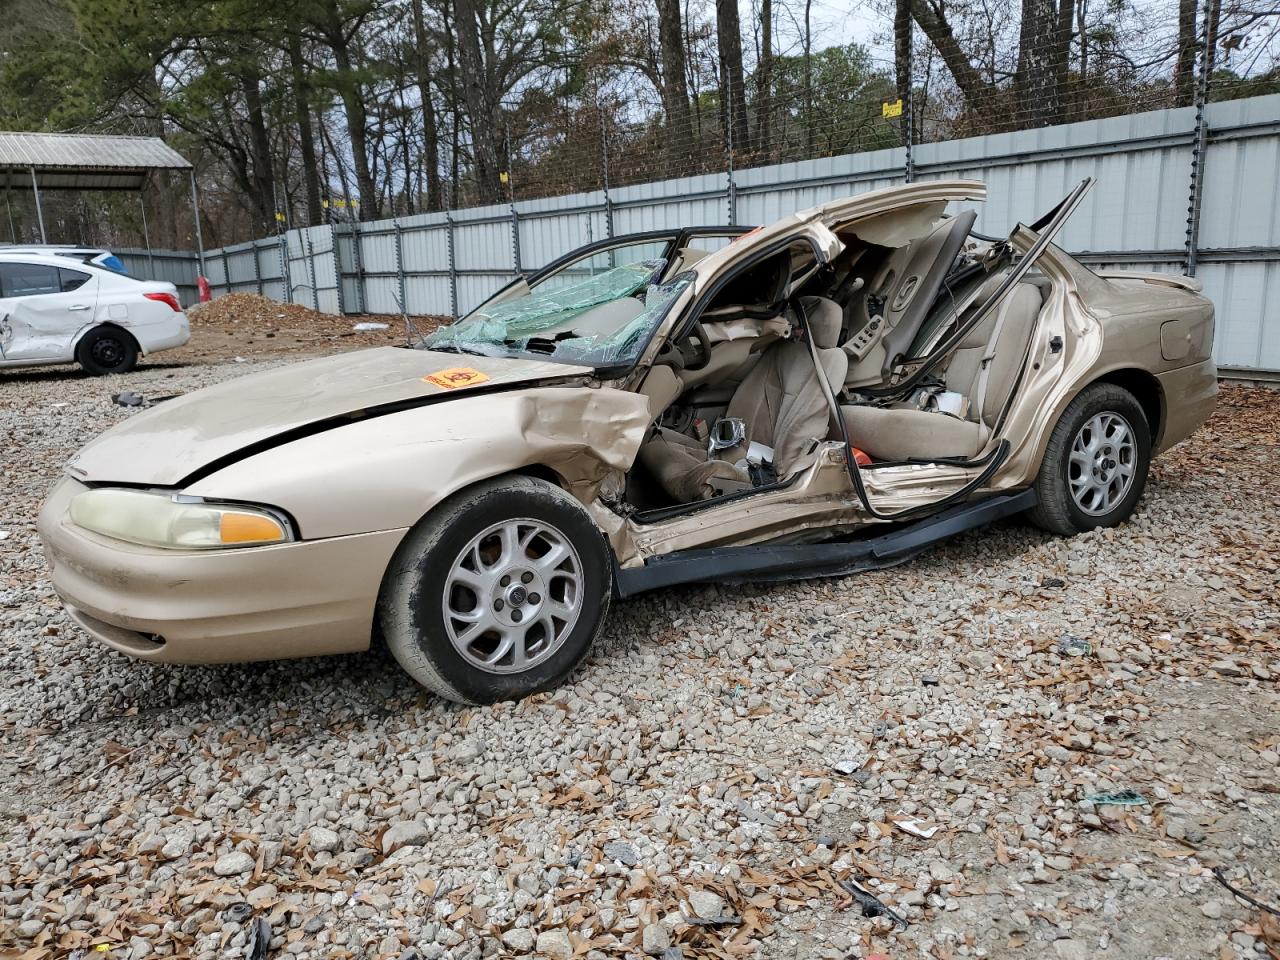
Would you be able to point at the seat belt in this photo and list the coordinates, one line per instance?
(980, 394)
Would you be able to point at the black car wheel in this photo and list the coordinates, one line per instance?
(498, 593)
(106, 350)
(1095, 466)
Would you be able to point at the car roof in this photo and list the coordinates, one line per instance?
(58, 249)
(47, 259)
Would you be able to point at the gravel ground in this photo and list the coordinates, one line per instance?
(721, 764)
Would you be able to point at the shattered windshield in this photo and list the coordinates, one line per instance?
(602, 320)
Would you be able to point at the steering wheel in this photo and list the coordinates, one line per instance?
(703, 355)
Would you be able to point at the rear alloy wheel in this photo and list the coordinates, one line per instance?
(1095, 466)
(498, 593)
(106, 350)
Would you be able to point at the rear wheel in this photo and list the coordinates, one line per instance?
(498, 593)
(1095, 466)
(107, 350)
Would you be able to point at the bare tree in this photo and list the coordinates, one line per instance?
(1036, 83)
(675, 91)
(764, 78)
(302, 117)
(733, 92)
(430, 126)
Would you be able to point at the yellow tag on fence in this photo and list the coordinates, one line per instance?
(456, 377)
(889, 110)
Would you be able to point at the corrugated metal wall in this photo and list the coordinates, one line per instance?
(1136, 217)
(174, 266)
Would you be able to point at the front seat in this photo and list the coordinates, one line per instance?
(983, 369)
(782, 403)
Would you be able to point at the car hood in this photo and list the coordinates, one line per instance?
(168, 443)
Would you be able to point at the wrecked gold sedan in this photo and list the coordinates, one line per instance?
(828, 394)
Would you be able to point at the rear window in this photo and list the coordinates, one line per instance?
(71, 279)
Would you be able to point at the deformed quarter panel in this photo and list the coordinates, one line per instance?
(387, 472)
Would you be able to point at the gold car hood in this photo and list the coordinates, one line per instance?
(168, 443)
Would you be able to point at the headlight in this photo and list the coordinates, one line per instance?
(165, 520)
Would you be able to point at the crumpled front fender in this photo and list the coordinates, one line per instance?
(387, 472)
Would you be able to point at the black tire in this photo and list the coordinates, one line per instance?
(411, 604)
(106, 350)
(1058, 510)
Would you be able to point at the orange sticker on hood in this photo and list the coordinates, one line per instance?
(456, 377)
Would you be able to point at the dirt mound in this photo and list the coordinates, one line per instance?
(260, 311)
(249, 326)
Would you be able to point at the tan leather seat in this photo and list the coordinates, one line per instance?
(782, 403)
(983, 368)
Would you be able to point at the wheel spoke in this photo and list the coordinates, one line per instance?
(474, 582)
(553, 557)
(559, 611)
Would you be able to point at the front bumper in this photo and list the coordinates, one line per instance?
(218, 606)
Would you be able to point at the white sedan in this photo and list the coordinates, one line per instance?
(55, 309)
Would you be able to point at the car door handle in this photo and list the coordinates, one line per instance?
(79, 306)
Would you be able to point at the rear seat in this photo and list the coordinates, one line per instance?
(983, 369)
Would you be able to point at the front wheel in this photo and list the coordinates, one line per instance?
(1095, 466)
(498, 593)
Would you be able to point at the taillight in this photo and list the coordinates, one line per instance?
(168, 298)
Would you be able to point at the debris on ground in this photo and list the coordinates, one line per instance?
(1073, 646)
(1121, 798)
(1247, 898)
(872, 906)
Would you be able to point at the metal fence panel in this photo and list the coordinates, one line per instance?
(1135, 217)
(178, 267)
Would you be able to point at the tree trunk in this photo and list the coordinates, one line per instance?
(764, 79)
(261, 173)
(733, 93)
(675, 91)
(166, 193)
(357, 127)
(1082, 19)
(933, 22)
(1035, 85)
(302, 117)
(430, 131)
(1062, 54)
(808, 78)
(451, 66)
(481, 110)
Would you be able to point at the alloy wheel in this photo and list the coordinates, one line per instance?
(513, 595)
(1102, 463)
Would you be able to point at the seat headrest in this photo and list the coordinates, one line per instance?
(825, 321)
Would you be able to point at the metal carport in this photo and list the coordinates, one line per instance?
(81, 161)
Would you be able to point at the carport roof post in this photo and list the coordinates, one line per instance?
(35, 189)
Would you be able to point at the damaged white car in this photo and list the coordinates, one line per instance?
(56, 308)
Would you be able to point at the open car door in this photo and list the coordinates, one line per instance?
(1045, 229)
(913, 373)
